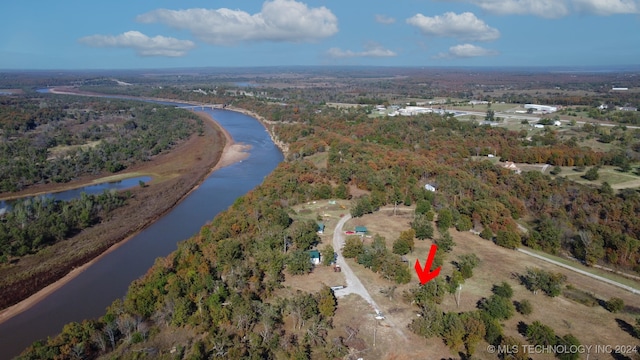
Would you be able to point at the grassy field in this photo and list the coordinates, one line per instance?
(610, 174)
(603, 273)
(592, 325)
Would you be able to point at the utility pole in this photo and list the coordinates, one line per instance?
(375, 329)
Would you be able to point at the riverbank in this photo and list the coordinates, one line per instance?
(267, 124)
(176, 174)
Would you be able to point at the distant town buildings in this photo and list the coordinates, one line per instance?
(541, 108)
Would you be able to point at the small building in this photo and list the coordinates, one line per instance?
(314, 256)
(429, 187)
(361, 230)
(320, 228)
(541, 108)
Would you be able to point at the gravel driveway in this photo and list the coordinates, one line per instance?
(354, 286)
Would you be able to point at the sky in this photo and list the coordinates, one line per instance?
(135, 34)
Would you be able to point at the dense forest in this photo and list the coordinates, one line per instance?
(34, 223)
(51, 138)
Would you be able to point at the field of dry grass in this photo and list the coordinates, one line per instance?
(591, 325)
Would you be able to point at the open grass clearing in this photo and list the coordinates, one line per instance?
(62, 149)
(595, 271)
(591, 325)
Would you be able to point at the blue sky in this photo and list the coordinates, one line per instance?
(116, 34)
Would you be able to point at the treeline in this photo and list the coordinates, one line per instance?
(35, 223)
(55, 149)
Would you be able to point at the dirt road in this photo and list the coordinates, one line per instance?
(600, 278)
(354, 286)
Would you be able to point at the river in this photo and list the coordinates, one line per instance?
(88, 294)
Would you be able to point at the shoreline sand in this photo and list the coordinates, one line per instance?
(231, 154)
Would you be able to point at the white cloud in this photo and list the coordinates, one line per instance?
(557, 8)
(279, 20)
(465, 26)
(607, 7)
(383, 19)
(466, 51)
(141, 43)
(370, 50)
(543, 8)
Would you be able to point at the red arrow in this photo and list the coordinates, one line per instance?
(426, 274)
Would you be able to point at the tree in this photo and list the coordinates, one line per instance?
(464, 223)
(524, 307)
(486, 234)
(508, 239)
(614, 305)
(592, 174)
(353, 247)
(445, 219)
(404, 244)
(422, 207)
(474, 331)
(299, 263)
(304, 234)
(490, 116)
(498, 307)
(445, 241)
(453, 330)
(572, 346)
(430, 322)
(422, 227)
(327, 255)
(540, 334)
(504, 290)
(327, 302)
(466, 263)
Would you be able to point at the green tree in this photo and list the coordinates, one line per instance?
(353, 247)
(540, 334)
(524, 307)
(614, 305)
(466, 263)
(504, 290)
(422, 207)
(453, 330)
(498, 307)
(422, 227)
(404, 244)
(474, 331)
(327, 302)
(445, 219)
(490, 116)
(464, 223)
(299, 262)
(445, 241)
(592, 174)
(304, 234)
(572, 344)
(327, 254)
(507, 238)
